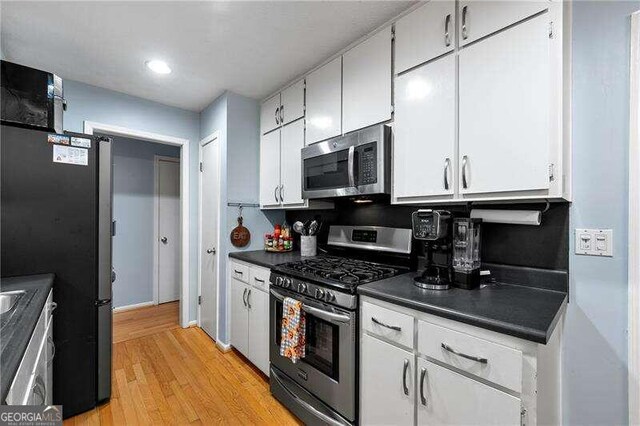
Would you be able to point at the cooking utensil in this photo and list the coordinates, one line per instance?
(299, 228)
(313, 227)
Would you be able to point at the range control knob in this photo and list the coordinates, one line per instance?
(279, 281)
(287, 282)
(302, 287)
(319, 293)
(330, 296)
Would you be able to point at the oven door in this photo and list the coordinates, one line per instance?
(328, 370)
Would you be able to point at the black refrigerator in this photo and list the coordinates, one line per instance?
(56, 217)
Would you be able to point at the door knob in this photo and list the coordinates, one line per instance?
(164, 240)
(211, 251)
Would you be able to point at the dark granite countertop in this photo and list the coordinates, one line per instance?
(18, 325)
(266, 259)
(525, 312)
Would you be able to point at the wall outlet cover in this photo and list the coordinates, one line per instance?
(594, 242)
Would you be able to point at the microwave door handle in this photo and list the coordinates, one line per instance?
(351, 166)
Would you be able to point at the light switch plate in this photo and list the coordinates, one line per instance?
(594, 242)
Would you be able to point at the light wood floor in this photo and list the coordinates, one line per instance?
(164, 374)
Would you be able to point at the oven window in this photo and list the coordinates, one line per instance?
(322, 348)
(327, 171)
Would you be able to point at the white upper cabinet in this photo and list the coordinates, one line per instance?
(324, 102)
(504, 111)
(270, 114)
(270, 169)
(424, 34)
(366, 79)
(424, 139)
(292, 105)
(481, 18)
(291, 163)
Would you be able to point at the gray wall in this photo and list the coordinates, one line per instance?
(92, 103)
(133, 209)
(595, 345)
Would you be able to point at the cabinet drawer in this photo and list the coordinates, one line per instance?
(259, 277)
(491, 361)
(239, 272)
(389, 324)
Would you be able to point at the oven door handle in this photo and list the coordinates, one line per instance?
(352, 166)
(322, 314)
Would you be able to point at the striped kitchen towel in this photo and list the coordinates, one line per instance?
(293, 330)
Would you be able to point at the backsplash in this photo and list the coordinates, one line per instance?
(545, 246)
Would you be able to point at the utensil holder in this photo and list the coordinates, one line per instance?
(308, 245)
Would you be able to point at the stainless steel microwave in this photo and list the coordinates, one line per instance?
(355, 164)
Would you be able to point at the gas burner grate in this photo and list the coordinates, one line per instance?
(344, 270)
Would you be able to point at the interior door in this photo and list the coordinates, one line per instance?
(209, 195)
(258, 304)
(291, 163)
(504, 110)
(270, 169)
(384, 379)
(239, 316)
(449, 398)
(168, 230)
(424, 144)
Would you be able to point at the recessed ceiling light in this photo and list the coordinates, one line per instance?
(159, 67)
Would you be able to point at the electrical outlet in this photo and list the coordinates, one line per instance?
(594, 242)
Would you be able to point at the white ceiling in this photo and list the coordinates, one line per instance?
(251, 48)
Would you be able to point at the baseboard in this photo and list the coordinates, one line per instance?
(134, 306)
(193, 323)
(224, 347)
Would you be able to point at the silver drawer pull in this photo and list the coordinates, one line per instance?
(238, 272)
(471, 357)
(390, 327)
(404, 377)
(258, 279)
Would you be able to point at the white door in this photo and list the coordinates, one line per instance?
(292, 142)
(270, 114)
(366, 83)
(324, 102)
(424, 34)
(270, 169)
(383, 382)
(168, 230)
(425, 126)
(449, 398)
(481, 18)
(504, 111)
(209, 236)
(258, 304)
(239, 316)
(292, 102)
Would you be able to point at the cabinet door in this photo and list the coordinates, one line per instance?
(383, 377)
(292, 107)
(481, 18)
(50, 351)
(324, 102)
(270, 169)
(504, 111)
(239, 317)
(270, 114)
(425, 128)
(291, 163)
(424, 34)
(448, 398)
(366, 79)
(258, 302)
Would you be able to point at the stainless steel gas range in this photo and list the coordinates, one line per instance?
(321, 388)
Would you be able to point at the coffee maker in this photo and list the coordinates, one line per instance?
(433, 227)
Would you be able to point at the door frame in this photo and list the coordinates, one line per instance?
(156, 221)
(108, 129)
(634, 225)
(213, 137)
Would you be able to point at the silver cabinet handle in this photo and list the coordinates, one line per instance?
(465, 35)
(248, 299)
(277, 116)
(351, 166)
(471, 357)
(465, 184)
(53, 349)
(447, 163)
(423, 374)
(275, 193)
(258, 279)
(244, 297)
(447, 35)
(390, 327)
(281, 191)
(282, 114)
(238, 272)
(404, 377)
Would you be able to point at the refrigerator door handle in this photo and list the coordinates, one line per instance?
(102, 302)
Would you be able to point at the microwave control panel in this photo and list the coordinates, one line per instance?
(367, 164)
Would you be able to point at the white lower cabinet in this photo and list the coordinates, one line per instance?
(250, 314)
(448, 398)
(387, 385)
